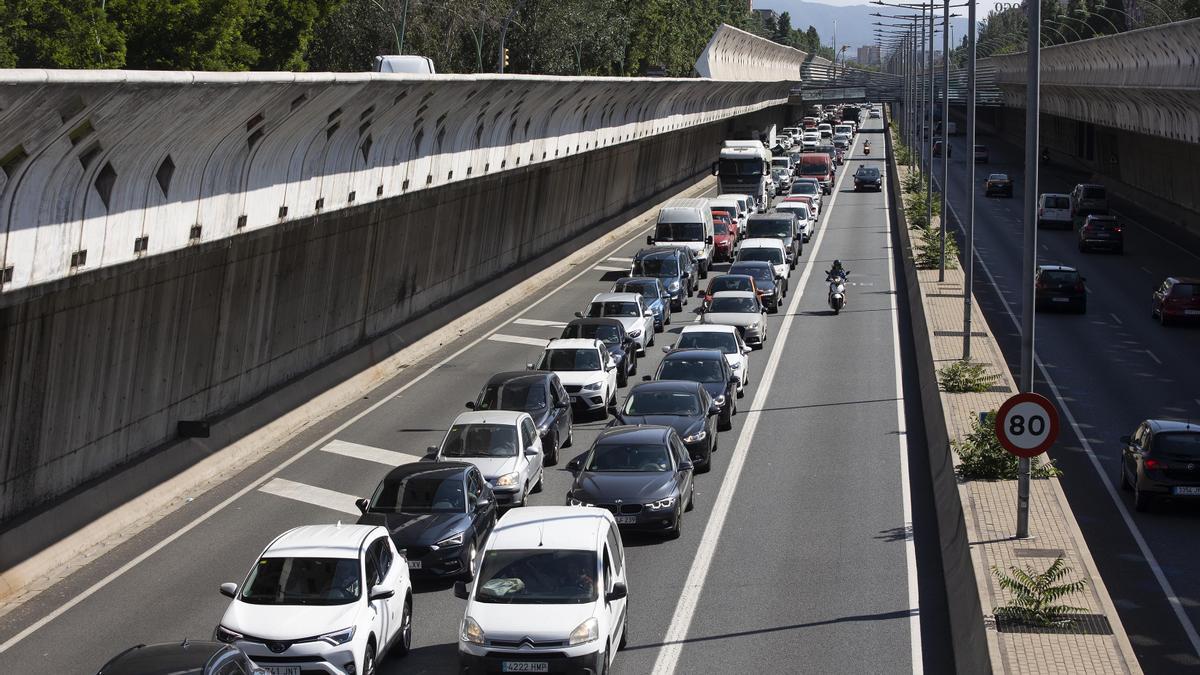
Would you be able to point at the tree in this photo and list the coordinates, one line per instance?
(59, 34)
(783, 29)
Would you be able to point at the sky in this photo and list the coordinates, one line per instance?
(981, 9)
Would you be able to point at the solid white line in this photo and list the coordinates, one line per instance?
(311, 494)
(166, 541)
(540, 322)
(1176, 605)
(1117, 319)
(518, 339)
(1151, 355)
(368, 453)
(610, 268)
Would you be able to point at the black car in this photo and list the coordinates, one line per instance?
(1059, 286)
(1102, 232)
(439, 515)
(641, 474)
(194, 657)
(779, 225)
(770, 293)
(673, 267)
(868, 178)
(539, 393)
(1161, 460)
(684, 406)
(611, 332)
(708, 367)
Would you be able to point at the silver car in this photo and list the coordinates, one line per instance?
(743, 311)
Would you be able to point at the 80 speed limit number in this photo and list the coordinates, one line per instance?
(1027, 424)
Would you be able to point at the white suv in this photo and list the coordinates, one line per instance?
(628, 309)
(504, 445)
(587, 372)
(322, 598)
(550, 595)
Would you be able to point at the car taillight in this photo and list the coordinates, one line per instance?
(1080, 287)
(1154, 464)
(1041, 211)
(1117, 230)
(1039, 284)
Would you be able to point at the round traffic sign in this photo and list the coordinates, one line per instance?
(1027, 424)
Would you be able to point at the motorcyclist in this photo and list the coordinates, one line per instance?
(836, 270)
(866, 147)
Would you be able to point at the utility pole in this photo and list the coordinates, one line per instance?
(945, 132)
(969, 268)
(502, 53)
(929, 139)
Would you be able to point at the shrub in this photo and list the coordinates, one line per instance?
(913, 183)
(964, 376)
(1036, 595)
(983, 458)
(928, 252)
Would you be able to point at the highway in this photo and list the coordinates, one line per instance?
(1107, 371)
(799, 556)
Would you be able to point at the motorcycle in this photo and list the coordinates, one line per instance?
(867, 148)
(837, 292)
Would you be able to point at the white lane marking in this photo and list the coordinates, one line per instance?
(1146, 270)
(621, 260)
(166, 541)
(1117, 319)
(540, 322)
(610, 268)
(368, 453)
(910, 547)
(1151, 355)
(518, 339)
(311, 494)
(1197, 401)
(1176, 605)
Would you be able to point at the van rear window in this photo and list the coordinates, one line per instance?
(1058, 203)
(1093, 193)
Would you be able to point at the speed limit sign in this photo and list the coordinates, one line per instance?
(1027, 424)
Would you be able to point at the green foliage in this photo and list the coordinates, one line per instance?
(1037, 596)
(965, 376)
(929, 249)
(983, 458)
(58, 34)
(915, 209)
(913, 183)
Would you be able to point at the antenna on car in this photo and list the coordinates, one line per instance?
(541, 533)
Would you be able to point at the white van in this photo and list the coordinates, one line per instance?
(405, 63)
(686, 223)
(1054, 209)
(551, 589)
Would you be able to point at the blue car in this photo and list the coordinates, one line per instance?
(674, 267)
(654, 296)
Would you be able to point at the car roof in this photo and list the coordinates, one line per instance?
(490, 416)
(645, 433)
(708, 328)
(549, 527)
(1184, 280)
(654, 281)
(694, 353)
(167, 657)
(596, 321)
(574, 343)
(654, 251)
(1163, 426)
(722, 276)
(519, 375)
(616, 297)
(325, 541)
(1057, 268)
(734, 294)
(660, 385)
(752, 263)
(441, 470)
(761, 243)
(997, 175)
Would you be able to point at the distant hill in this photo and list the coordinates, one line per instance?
(853, 21)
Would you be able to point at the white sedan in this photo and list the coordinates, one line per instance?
(629, 310)
(586, 370)
(504, 445)
(725, 338)
(322, 598)
(741, 310)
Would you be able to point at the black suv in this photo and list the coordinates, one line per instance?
(674, 266)
(1161, 460)
(868, 177)
(622, 348)
(1101, 232)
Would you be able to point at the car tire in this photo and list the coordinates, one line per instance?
(692, 497)
(676, 306)
(570, 438)
(773, 308)
(1124, 479)
(537, 487)
(1142, 502)
(624, 631)
(741, 392)
(368, 664)
(551, 457)
(622, 378)
(677, 530)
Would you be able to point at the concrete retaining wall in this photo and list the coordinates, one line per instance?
(96, 370)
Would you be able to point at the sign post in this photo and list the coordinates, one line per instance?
(1026, 426)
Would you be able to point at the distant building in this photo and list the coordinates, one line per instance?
(868, 55)
(766, 15)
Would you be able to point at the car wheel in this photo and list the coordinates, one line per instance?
(660, 326)
(368, 664)
(1141, 501)
(625, 630)
(773, 308)
(677, 529)
(622, 378)
(676, 306)
(551, 457)
(570, 438)
(692, 497)
(1124, 479)
(537, 487)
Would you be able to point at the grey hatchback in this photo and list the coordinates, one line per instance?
(1161, 460)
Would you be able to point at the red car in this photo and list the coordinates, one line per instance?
(1177, 298)
(804, 199)
(724, 235)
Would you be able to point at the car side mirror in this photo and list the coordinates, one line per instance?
(715, 165)
(363, 504)
(747, 350)
(482, 503)
(618, 592)
(714, 409)
(229, 590)
(666, 349)
(1126, 440)
(381, 592)
(531, 451)
(470, 405)
(578, 315)
(431, 453)
(576, 464)
(648, 313)
(686, 465)
(646, 378)
(649, 240)
(461, 591)
(708, 240)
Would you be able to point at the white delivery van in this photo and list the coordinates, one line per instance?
(686, 223)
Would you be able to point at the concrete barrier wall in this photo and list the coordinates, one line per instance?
(734, 54)
(101, 168)
(96, 370)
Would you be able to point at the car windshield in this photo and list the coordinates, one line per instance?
(527, 395)
(1058, 203)
(868, 172)
(303, 581)
(725, 342)
(480, 440)
(767, 228)
(997, 176)
(760, 274)
(811, 168)
(417, 494)
(771, 255)
(609, 335)
(662, 403)
(646, 289)
(679, 232)
(1059, 276)
(735, 304)
(628, 457)
(804, 188)
(1180, 444)
(537, 577)
(570, 359)
(692, 370)
(656, 267)
(618, 308)
(721, 226)
(740, 167)
(730, 282)
(797, 208)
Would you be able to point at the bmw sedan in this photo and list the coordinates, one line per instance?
(684, 406)
(711, 370)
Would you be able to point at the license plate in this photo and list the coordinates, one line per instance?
(1191, 312)
(626, 520)
(1188, 491)
(282, 670)
(525, 667)
(1060, 299)
(414, 564)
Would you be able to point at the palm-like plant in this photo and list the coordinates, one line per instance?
(1036, 596)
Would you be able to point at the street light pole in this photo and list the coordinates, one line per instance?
(945, 132)
(969, 269)
(1033, 58)
(928, 144)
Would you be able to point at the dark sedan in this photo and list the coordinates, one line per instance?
(770, 293)
(622, 348)
(539, 393)
(868, 178)
(194, 657)
(710, 368)
(670, 265)
(641, 474)
(998, 184)
(439, 515)
(1059, 287)
(1101, 232)
(1161, 460)
(684, 406)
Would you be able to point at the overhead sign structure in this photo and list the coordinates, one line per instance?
(1027, 424)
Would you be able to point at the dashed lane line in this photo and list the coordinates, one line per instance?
(368, 453)
(610, 268)
(540, 323)
(518, 339)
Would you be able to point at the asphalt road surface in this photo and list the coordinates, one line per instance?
(799, 555)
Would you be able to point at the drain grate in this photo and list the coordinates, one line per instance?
(1081, 624)
(1039, 552)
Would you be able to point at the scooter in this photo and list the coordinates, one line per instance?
(867, 148)
(837, 292)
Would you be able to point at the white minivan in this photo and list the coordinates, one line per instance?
(686, 223)
(550, 596)
(1054, 210)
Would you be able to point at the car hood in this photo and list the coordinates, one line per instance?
(714, 389)
(694, 245)
(632, 487)
(288, 622)
(579, 377)
(501, 621)
(418, 529)
(490, 467)
(630, 323)
(684, 425)
(731, 318)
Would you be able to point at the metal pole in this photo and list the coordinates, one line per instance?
(969, 270)
(928, 144)
(945, 133)
(1033, 58)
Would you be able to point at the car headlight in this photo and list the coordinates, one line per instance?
(223, 634)
(635, 333)
(736, 366)
(661, 504)
(542, 431)
(696, 437)
(453, 540)
(471, 632)
(508, 480)
(338, 637)
(595, 386)
(720, 400)
(585, 632)
(571, 501)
